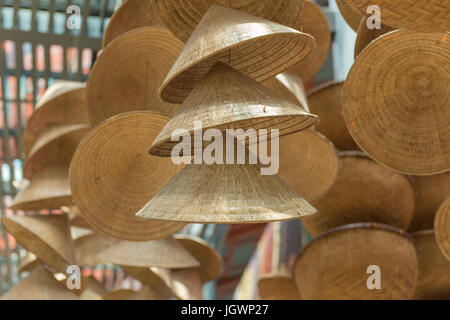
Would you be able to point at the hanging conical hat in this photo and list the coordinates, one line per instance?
(48, 189)
(54, 147)
(314, 22)
(365, 35)
(334, 265)
(119, 294)
(89, 246)
(48, 237)
(278, 287)
(112, 176)
(350, 15)
(431, 191)
(187, 284)
(326, 102)
(434, 269)
(93, 290)
(289, 87)
(396, 101)
(158, 279)
(363, 192)
(79, 233)
(28, 263)
(144, 294)
(75, 217)
(131, 15)
(128, 73)
(39, 285)
(63, 102)
(255, 47)
(226, 99)
(442, 227)
(165, 253)
(420, 15)
(183, 16)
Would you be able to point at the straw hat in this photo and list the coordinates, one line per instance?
(112, 176)
(144, 294)
(431, 191)
(289, 87)
(48, 189)
(77, 233)
(365, 35)
(183, 16)
(258, 48)
(396, 101)
(158, 279)
(226, 99)
(75, 217)
(350, 15)
(442, 227)
(313, 21)
(165, 253)
(28, 263)
(434, 269)
(119, 294)
(48, 237)
(129, 72)
(187, 284)
(54, 147)
(63, 102)
(89, 246)
(39, 285)
(131, 15)
(334, 265)
(278, 287)
(93, 290)
(421, 15)
(363, 192)
(326, 102)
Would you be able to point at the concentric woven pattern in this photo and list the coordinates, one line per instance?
(278, 287)
(396, 101)
(290, 87)
(365, 35)
(128, 73)
(112, 176)
(183, 16)
(442, 228)
(256, 47)
(350, 15)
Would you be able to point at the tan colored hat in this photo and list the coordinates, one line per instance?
(75, 217)
(396, 101)
(93, 290)
(119, 294)
(187, 284)
(39, 285)
(127, 75)
(326, 102)
(165, 253)
(28, 263)
(442, 227)
(420, 15)
(226, 99)
(431, 191)
(434, 269)
(54, 147)
(314, 22)
(48, 237)
(131, 15)
(365, 35)
(79, 232)
(363, 192)
(183, 16)
(158, 279)
(289, 87)
(62, 103)
(112, 176)
(89, 246)
(258, 48)
(48, 189)
(278, 287)
(334, 265)
(144, 294)
(350, 15)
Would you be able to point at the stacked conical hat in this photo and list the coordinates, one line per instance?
(289, 87)
(334, 265)
(93, 290)
(442, 229)
(89, 246)
(119, 294)
(144, 294)
(365, 35)
(350, 15)
(28, 263)
(278, 287)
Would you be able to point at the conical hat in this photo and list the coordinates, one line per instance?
(48, 237)
(365, 35)
(434, 269)
(334, 265)
(420, 15)
(79, 233)
(183, 16)
(54, 147)
(326, 102)
(165, 253)
(350, 15)
(187, 284)
(63, 102)
(314, 22)
(128, 73)
(238, 39)
(48, 189)
(289, 87)
(88, 247)
(112, 176)
(158, 279)
(442, 227)
(278, 287)
(363, 192)
(75, 217)
(144, 294)
(93, 290)
(226, 99)
(119, 294)
(39, 285)
(28, 263)
(396, 101)
(210, 260)
(431, 191)
(131, 15)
